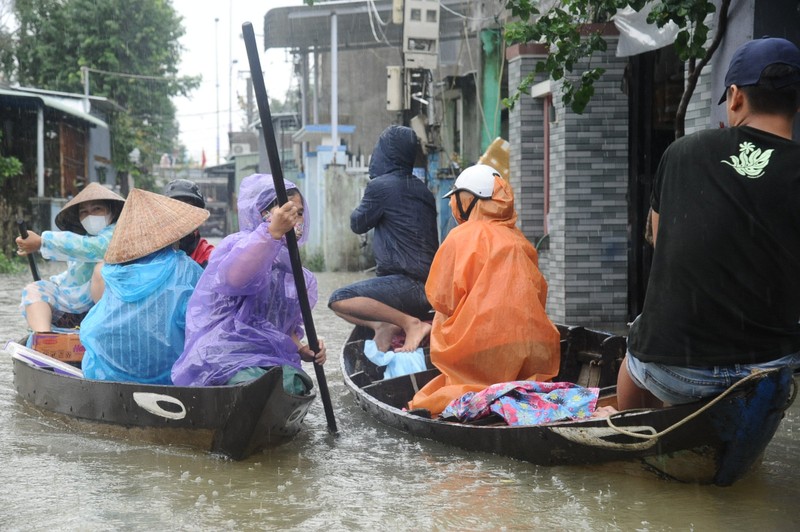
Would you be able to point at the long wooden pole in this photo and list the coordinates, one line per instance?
(291, 241)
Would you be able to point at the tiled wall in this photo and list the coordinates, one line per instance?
(585, 261)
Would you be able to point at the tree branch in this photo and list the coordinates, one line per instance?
(694, 73)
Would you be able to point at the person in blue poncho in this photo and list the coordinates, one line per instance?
(87, 222)
(135, 332)
(244, 316)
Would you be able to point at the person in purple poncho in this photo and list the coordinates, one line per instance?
(244, 316)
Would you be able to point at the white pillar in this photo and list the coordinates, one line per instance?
(304, 87)
(304, 104)
(86, 105)
(315, 99)
(40, 152)
(334, 85)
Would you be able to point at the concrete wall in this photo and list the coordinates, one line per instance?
(746, 20)
(343, 249)
(332, 192)
(362, 94)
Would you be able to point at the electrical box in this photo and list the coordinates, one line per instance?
(397, 13)
(421, 33)
(394, 88)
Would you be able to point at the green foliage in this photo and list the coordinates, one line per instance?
(315, 263)
(9, 166)
(10, 265)
(138, 38)
(562, 29)
(689, 15)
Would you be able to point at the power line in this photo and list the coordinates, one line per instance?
(134, 76)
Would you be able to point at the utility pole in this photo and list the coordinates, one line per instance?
(230, 96)
(216, 69)
(231, 62)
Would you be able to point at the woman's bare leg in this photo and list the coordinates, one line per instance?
(40, 316)
(365, 310)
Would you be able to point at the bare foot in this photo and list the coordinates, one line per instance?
(604, 411)
(415, 335)
(384, 332)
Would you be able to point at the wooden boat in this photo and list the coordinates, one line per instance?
(710, 442)
(234, 421)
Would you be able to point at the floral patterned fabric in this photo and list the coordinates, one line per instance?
(526, 403)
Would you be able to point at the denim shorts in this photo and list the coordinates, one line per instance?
(677, 385)
(397, 291)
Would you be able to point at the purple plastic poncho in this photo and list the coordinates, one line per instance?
(245, 307)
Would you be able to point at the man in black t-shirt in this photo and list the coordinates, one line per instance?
(724, 291)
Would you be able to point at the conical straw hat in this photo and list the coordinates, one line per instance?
(150, 222)
(497, 156)
(67, 218)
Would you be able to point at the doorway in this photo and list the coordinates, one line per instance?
(655, 83)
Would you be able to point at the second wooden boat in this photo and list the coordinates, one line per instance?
(711, 442)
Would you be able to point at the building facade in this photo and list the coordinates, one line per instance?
(582, 182)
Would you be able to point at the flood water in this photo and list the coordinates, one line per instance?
(369, 477)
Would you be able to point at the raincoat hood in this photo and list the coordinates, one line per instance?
(245, 310)
(395, 152)
(499, 208)
(255, 193)
(137, 280)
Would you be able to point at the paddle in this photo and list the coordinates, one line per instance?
(23, 232)
(291, 241)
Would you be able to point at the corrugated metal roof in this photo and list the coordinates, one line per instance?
(36, 100)
(100, 102)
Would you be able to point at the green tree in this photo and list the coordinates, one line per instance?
(131, 51)
(562, 27)
(6, 35)
(9, 166)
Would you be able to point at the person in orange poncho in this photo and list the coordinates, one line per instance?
(489, 296)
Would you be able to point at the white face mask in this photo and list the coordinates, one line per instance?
(94, 224)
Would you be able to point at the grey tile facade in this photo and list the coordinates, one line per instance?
(585, 261)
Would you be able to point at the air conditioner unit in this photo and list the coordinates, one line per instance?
(240, 149)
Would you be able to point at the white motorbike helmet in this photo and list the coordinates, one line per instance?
(477, 179)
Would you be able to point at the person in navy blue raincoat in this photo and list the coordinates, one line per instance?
(402, 212)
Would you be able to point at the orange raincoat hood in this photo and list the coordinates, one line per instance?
(500, 209)
(490, 324)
